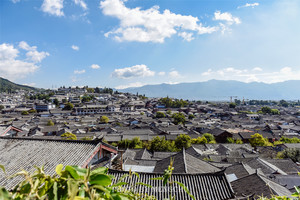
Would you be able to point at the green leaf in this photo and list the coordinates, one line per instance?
(59, 168)
(185, 189)
(100, 179)
(2, 167)
(81, 191)
(55, 190)
(72, 172)
(25, 189)
(119, 184)
(4, 194)
(80, 171)
(157, 179)
(100, 170)
(144, 184)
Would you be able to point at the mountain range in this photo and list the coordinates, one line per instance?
(222, 90)
(8, 86)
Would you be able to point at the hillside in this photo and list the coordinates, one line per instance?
(222, 90)
(8, 86)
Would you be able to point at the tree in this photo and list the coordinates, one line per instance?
(56, 102)
(69, 136)
(104, 119)
(1, 107)
(90, 90)
(50, 123)
(32, 111)
(161, 144)
(183, 141)
(24, 112)
(209, 137)
(239, 141)
(230, 140)
(199, 140)
(258, 140)
(292, 153)
(160, 115)
(68, 106)
(266, 110)
(179, 118)
(191, 116)
(275, 112)
(232, 105)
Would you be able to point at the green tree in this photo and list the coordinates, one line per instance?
(90, 90)
(258, 140)
(292, 153)
(69, 136)
(1, 107)
(239, 141)
(275, 112)
(191, 116)
(232, 105)
(50, 123)
(161, 144)
(179, 118)
(160, 115)
(209, 137)
(104, 119)
(183, 141)
(24, 112)
(230, 140)
(56, 102)
(68, 106)
(266, 110)
(199, 140)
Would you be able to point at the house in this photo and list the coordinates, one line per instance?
(9, 131)
(25, 153)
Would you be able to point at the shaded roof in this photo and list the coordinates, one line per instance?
(185, 163)
(240, 170)
(213, 186)
(24, 153)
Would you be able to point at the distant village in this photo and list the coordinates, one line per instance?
(239, 149)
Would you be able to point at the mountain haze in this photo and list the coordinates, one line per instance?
(8, 86)
(222, 90)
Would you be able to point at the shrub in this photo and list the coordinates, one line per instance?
(24, 113)
(160, 115)
(104, 119)
(183, 141)
(69, 136)
(209, 137)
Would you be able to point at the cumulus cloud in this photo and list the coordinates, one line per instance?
(32, 53)
(161, 73)
(13, 68)
(174, 74)
(226, 16)
(256, 74)
(74, 47)
(134, 71)
(81, 3)
(136, 84)
(150, 25)
(79, 71)
(249, 5)
(53, 7)
(95, 66)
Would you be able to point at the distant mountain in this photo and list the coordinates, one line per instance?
(222, 90)
(8, 86)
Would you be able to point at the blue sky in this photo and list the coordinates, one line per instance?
(117, 43)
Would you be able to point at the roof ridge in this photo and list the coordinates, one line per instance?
(184, 162)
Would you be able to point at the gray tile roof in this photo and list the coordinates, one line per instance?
(19, 153)
(212, 186)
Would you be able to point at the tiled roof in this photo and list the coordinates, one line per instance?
(213, 186)
(20, 153)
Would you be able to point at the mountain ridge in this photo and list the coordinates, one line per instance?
(222, 90)
(9, 86)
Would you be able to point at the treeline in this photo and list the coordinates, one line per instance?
(170, 103)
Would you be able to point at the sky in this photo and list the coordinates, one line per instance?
(130, 43)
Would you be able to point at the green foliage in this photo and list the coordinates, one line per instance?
(56, 102)
(86, 98)
(292, 153)
(87, 138)
(258, 140)
(142, 113)
(160, 115)
(104, 119)
(90, 90)
(1, 107)
(179, 118)
(230, 140)
(68, 106)
(209, 137)
(69, 136)
(266, 110)
(289, 140)
(72, 182)
(169, 112)
(8, 86)
(24, 112)
(199, 140)
(169, 103)
(32, 111)
(135, 143)
(191, 116)
(161, 144)
(275, 112)
(50, 123)
(232, 105)
(239, 141)
(183, 141)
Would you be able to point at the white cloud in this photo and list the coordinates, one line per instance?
(79, 71)
(258, 69)
(186, 36)
(32, 53)
(174, 74)
(150, 25)
(134, 71)
(95, 66)
(81, 3)
(136, 84)
(13, 68)
(161, 73)
(74, 47)
(226, 16)
(30, 84)
(53, 7)
(15, 1)
(249, 5)
(256, 74)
